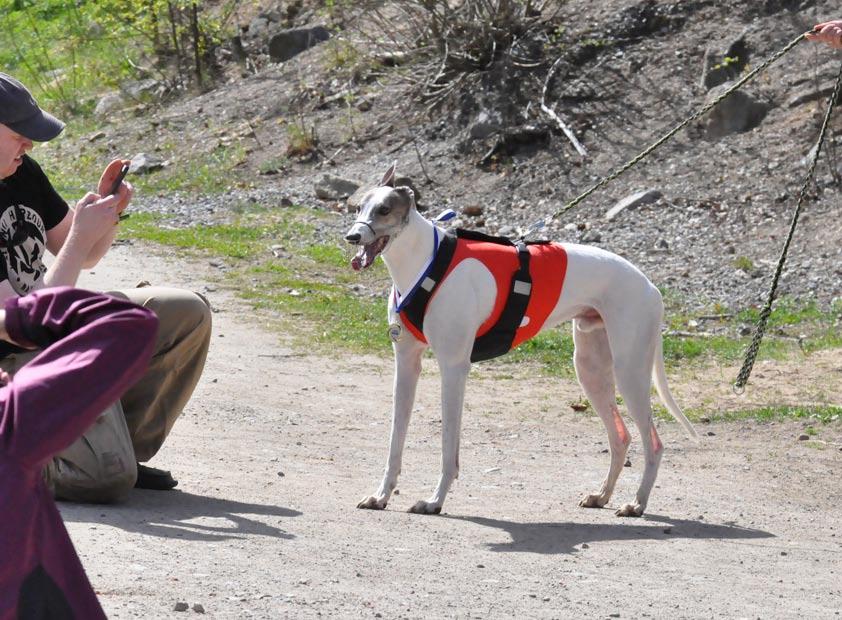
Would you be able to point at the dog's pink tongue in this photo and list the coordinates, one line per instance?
(357, 261)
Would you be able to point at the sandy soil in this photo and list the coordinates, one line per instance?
(277, 447)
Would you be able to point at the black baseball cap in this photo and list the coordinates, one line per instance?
(20, 112)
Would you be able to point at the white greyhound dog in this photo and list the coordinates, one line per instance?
(616, 312)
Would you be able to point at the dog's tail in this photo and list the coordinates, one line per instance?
(659, 376)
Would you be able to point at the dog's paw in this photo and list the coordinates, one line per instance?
(630, 510)
(373, 503)
(425, 508)
(593, 501)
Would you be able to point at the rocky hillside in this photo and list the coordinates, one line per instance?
(469, 130)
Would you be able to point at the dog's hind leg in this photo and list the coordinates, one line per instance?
(408, 353)
(595, 372)
(453, 379)
(633, 349)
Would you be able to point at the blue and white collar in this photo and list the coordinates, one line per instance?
(401, 301)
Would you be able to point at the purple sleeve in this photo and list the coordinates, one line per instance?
(95, 348)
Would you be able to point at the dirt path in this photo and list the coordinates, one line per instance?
(276, 448)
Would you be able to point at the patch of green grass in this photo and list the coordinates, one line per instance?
(552, 350)
(239, 240)
(72, 174)
(679, 350)
(744, 263)
(328, 255)
(823, 413)
(324, 314)
(820, 413)
(790, 320)
(75, 173)
(310, 289)
(314, 293)
(204, 173)
(788, 311)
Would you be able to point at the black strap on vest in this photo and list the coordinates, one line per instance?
(498, 340)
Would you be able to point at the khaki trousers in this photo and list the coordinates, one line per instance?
(101, 465)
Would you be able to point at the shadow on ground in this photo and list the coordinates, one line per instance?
(175, 514)
(552, 538)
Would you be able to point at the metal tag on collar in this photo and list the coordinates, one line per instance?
(395, 332)
(539, 225)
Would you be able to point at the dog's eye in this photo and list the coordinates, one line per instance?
(383, 210)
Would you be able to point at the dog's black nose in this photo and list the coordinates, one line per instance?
(355, 238)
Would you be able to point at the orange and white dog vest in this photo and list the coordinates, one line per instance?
(529, 278)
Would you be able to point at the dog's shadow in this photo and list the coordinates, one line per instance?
(553, 538)
(176, 514)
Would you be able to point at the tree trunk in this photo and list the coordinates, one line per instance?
(176, 46)
(196, 46)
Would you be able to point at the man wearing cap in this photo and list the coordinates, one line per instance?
(104, 464)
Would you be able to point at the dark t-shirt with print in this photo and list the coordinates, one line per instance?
(29, 207)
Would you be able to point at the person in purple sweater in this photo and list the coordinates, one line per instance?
(93, 348)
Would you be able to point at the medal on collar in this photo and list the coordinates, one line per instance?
(395, 331)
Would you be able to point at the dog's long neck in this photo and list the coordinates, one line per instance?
(410, 251)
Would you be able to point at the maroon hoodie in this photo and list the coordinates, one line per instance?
(94, 348)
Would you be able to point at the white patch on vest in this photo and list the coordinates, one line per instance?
(524, 322)
(521, 288)
(428, 284)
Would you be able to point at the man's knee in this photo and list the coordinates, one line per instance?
(182, 314)
(185, 318)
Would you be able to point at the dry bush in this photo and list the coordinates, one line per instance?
(452, 45)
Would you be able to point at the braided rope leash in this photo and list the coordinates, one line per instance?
(701, 112)
(760, 328)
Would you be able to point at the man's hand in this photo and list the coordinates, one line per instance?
(109, 175)
(94, 217)
(829, 33)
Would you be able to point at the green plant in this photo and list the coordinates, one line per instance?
(273, 165)
(301, 141)
(744, 263)
(728, 61)
(68, 50)
(342, 54)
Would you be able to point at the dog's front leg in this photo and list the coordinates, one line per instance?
(408, 353)
(453, 378)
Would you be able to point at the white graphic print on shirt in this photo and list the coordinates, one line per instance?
(22, 246)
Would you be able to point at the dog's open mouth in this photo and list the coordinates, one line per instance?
(368, 252)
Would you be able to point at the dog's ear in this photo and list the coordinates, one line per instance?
(388, 179)
(406, 194)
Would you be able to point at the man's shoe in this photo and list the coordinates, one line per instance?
(154, 478)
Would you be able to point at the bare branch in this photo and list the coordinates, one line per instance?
(552, 114)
